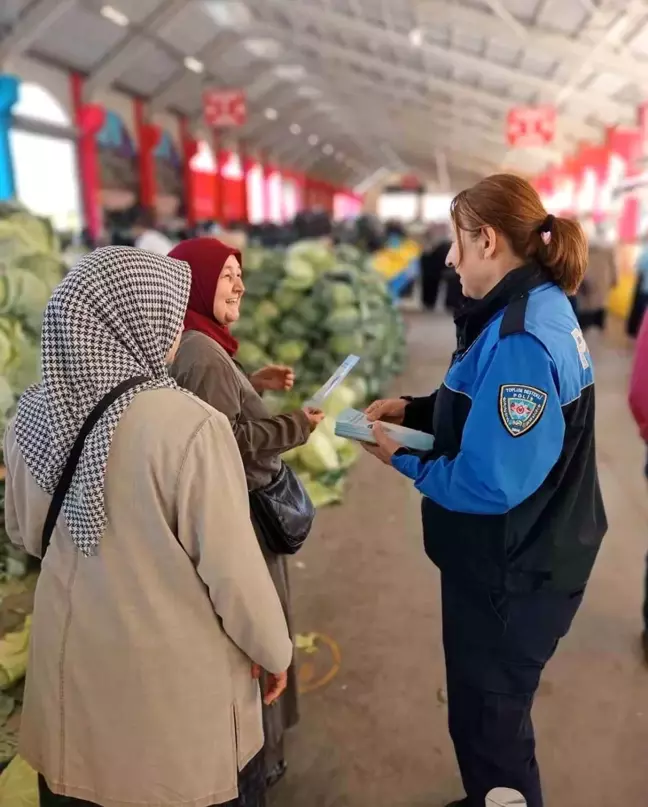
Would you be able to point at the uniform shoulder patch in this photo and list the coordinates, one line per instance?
(581, 346)
(520, 407)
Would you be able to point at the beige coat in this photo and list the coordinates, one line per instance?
(204, 367)
(600, 278)
(139, 687)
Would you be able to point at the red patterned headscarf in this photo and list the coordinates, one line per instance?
(206, 257)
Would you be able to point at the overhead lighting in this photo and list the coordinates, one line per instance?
(271, 114)
(195, 65)
(308, 92)
(295, 128)
(229, 13)
(416, 37)
(263, 48)
(290, 72)
(328, 149)
(313, 140)
(115, 16)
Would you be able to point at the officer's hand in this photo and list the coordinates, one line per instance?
(391, 410)
(386, 447)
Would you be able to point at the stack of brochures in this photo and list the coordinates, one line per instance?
(354, 425)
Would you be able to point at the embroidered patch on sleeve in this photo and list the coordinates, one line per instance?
(581, 346)
(520, 408)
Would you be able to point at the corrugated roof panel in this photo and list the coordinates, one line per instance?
(10, 10)
(472, 43)
(537, 65)
(507, 54)
(79, 39)
(191, 30)
(151, 69)
(565, 16)
(135, 10)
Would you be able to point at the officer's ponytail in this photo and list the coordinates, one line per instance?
(561, 247)
(511, 206)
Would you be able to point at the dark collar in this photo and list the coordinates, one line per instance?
(476, 314)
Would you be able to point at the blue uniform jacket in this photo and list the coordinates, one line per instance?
(514, 444)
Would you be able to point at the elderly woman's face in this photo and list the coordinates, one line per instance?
(229, 291)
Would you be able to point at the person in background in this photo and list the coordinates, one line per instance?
(600, 278)
(154, 602)
(512, 508)
(206, 365)
(433, 265)
(640, 299)
(147, 234)
(638, 400)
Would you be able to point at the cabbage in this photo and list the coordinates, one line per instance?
(300, 274)
(342, 397)
(30, 267)
(343, 320)
(251, 356)
(309, 307)
(289, 352)
(319, 454)
(342, 345)
(266, 312)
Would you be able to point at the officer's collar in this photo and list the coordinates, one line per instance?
(476, 314)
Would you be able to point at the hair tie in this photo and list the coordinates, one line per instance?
(545, 229)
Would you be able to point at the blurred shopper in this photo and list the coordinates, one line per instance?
(600, 278)
(147, 234)
(640, 299)
(512, 511)
(206, 365)
(433, 265)
(638, 400)
(153, 600)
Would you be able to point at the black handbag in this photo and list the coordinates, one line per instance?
(283, 511)
(65, 481)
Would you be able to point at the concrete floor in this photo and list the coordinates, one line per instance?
(375, 734)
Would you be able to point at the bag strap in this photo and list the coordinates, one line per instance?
(65, 481)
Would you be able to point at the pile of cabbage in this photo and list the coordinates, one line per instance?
(31, 266)
(309, 307)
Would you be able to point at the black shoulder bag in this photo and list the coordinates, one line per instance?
(65, 481)
(283, 511)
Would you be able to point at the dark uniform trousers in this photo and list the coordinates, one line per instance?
(496, 648)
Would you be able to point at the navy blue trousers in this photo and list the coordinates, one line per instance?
(496, 648)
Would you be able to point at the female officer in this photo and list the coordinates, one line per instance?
(512, 510)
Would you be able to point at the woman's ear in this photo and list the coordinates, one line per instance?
(490, 241)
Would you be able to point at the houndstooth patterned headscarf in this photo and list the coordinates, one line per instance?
(114, 317)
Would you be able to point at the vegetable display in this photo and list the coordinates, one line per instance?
(309, 307)
(31, 266)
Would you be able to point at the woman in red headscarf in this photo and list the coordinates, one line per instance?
(206, 365)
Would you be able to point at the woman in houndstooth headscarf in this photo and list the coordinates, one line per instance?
(153, 597)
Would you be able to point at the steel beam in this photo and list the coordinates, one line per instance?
(538, 39)
(452, 89)
(513, 76)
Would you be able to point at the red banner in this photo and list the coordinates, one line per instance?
(225, 109)
(529, 126)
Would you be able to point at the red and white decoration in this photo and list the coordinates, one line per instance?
(225, 109)
(531, 126)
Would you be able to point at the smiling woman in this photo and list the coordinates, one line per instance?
(206, 366)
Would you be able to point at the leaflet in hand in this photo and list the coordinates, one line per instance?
(354, 425)
(337, 378)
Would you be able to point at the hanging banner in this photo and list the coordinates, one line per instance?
(531, 126)
(225, 109)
